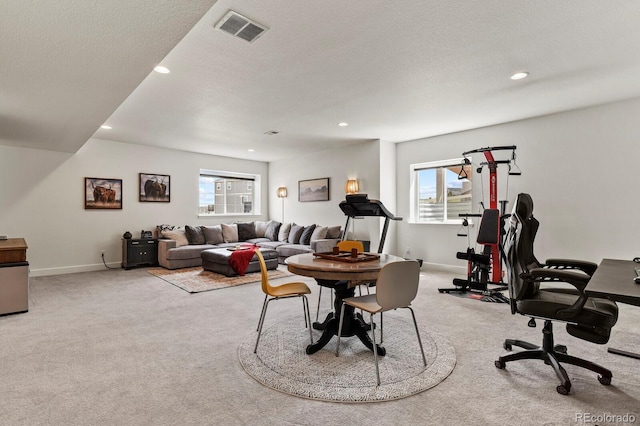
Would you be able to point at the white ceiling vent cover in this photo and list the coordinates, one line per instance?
(240, 26)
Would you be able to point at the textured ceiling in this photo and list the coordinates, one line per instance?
(394, 70)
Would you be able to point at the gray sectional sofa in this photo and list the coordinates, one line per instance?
(181, 247)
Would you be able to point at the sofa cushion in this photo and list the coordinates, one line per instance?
(213, 234)
(286, 250)
(272, 230)
(187, 252)
(178, 235)
(246, 231)
(272, 244)
(283, 233)
(333, 232)
(257, 240)
(194, 234)
(305, 238)
(319, 233)
(230, 232)
(261, 228)
(294, 234)
(164, 227)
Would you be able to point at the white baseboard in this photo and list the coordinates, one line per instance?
(444, 268)
(71, 269)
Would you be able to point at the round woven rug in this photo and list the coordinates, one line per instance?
(282, 364)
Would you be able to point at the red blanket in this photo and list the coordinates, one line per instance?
(240, 259)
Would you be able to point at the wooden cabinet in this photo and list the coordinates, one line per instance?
(137, 252)
(14, 276)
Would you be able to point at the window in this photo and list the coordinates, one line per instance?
(440, 191)
(228, 193)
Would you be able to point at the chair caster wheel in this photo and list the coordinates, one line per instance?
(562, 390)
(500, 364)
(604, 380)
(560, 349)
(507, 346)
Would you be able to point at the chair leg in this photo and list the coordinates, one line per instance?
(605, 372)
(553, 357)
(375, 348)
(319, 298)
(424, 359)
(381, 328)
(264, 314)
(340, 329)
(305, 304)
(264, 304)
(304, 313)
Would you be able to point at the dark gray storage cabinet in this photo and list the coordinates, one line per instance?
(139, 252)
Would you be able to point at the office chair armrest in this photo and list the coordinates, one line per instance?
(577, 279)
(587, 267)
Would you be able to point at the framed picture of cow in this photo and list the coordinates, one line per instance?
(155, 188)
(102, 193)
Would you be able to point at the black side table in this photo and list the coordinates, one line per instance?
(139, 252)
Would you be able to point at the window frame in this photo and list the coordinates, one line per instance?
(254, 178)
(414, 191)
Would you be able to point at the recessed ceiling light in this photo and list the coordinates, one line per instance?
(343, 124)
(162, 70)
(251, 150)
(519, 75)
(106, 127)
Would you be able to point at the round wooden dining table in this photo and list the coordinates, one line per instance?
(343, 277)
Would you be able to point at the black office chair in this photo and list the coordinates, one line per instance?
(587, 318)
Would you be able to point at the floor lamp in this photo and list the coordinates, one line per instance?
(351, 187)
(282, 193)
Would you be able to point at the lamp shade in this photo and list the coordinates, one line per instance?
(351, 187)
(282, 192)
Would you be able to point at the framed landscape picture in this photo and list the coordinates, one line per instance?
(155, 188)
(102, 193)
(313, 190)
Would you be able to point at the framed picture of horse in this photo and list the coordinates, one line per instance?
(155, 188)
(102, 193)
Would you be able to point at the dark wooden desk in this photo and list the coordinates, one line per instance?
(341, 275)
(613, 280)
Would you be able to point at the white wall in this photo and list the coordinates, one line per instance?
(42, 199)
(361, 161)
(580, 167)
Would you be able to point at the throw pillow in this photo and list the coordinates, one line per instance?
(194, 234)
(177, 235)
(163, 227)
(230, 233)
(294, 234)
(261, 228)
(305, 238)
(213, 234)
(333, 232)
(283, 233)
(319, 233)
(246, 231)
(272, 230)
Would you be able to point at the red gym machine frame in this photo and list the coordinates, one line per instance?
(492, 164)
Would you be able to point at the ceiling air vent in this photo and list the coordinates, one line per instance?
(240, 26)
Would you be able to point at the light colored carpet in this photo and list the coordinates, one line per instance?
(282, 364)
(118, 347)
(196, 280)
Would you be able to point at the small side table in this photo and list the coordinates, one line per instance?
(139, 252)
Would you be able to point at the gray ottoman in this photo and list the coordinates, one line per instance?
(217, 260)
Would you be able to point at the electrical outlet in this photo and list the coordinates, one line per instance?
(102, 252)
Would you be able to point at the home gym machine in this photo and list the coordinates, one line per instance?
(484, 269)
